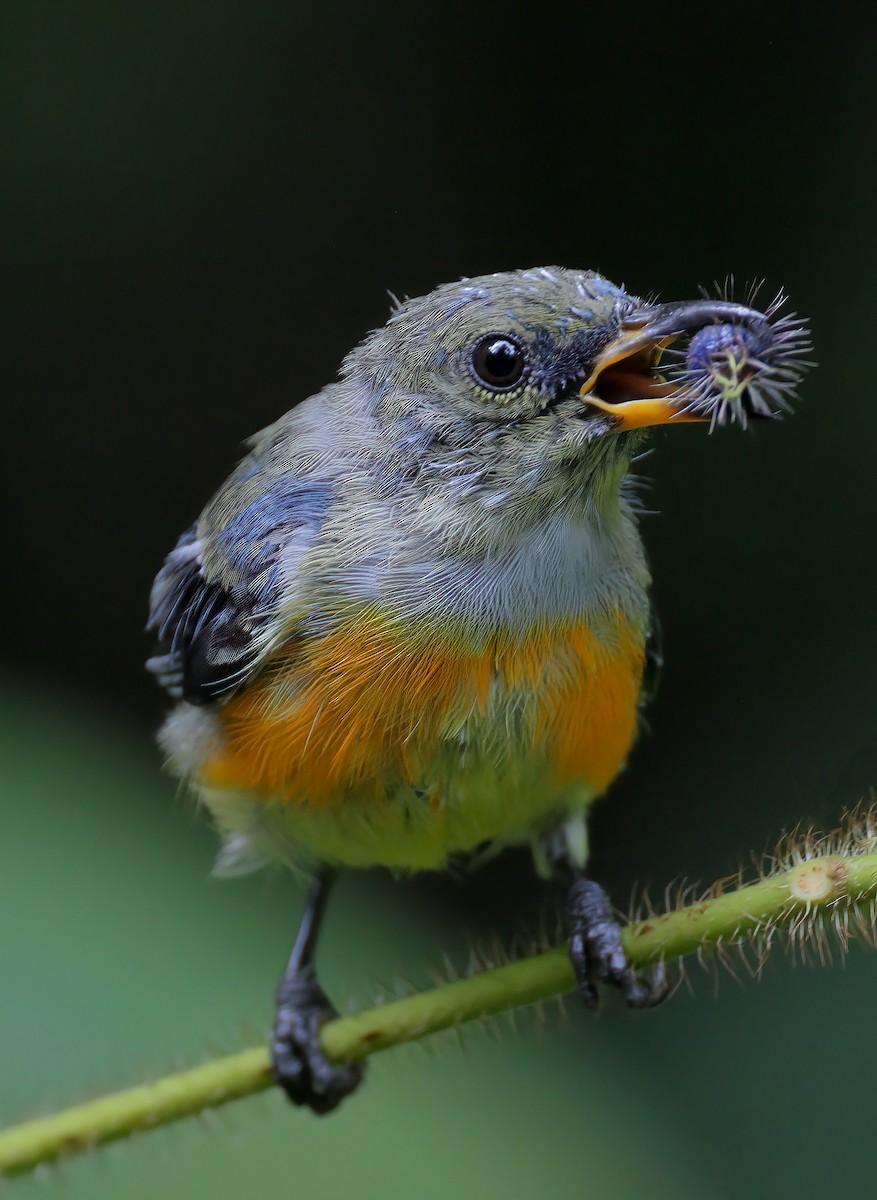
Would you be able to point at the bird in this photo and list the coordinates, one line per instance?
(415, 621)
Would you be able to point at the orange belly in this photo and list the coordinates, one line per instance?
(370, 705)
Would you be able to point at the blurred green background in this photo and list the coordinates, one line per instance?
(203, 206)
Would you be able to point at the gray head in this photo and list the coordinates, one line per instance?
(497, 348)
(480, 381)
(532, 386)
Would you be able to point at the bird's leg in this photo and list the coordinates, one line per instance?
(300, 1067)
(597, 953)
(594, 933)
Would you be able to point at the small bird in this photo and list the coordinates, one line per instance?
(415, 620)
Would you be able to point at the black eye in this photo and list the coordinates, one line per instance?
(498, 361)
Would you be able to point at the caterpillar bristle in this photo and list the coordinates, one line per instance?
(732, 373)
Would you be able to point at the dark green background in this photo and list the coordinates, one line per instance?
(202, 207)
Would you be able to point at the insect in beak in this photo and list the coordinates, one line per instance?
(739, 363)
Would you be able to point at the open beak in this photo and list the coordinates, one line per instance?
(624, 382)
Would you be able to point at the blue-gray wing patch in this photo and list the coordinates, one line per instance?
(209, 611)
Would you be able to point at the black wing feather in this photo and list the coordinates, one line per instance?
(207, 622)
(204, 631)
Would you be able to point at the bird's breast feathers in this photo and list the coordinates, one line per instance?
(371, 703)
(403, 729)
(367, 745)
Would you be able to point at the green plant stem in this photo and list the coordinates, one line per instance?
(846, 884)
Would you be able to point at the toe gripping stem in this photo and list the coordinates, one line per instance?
(307, 1077)
(597, 953)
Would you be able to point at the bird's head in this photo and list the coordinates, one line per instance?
(535, 384)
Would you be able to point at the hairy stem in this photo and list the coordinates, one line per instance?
(834, 877)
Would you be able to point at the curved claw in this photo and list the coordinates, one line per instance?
(300, 1067)
(598, 956)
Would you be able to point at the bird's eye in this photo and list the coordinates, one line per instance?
(498, 362)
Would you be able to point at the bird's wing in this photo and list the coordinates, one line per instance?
(221, 602)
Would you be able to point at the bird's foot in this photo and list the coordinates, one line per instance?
(300, 1066)
(597, 953)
